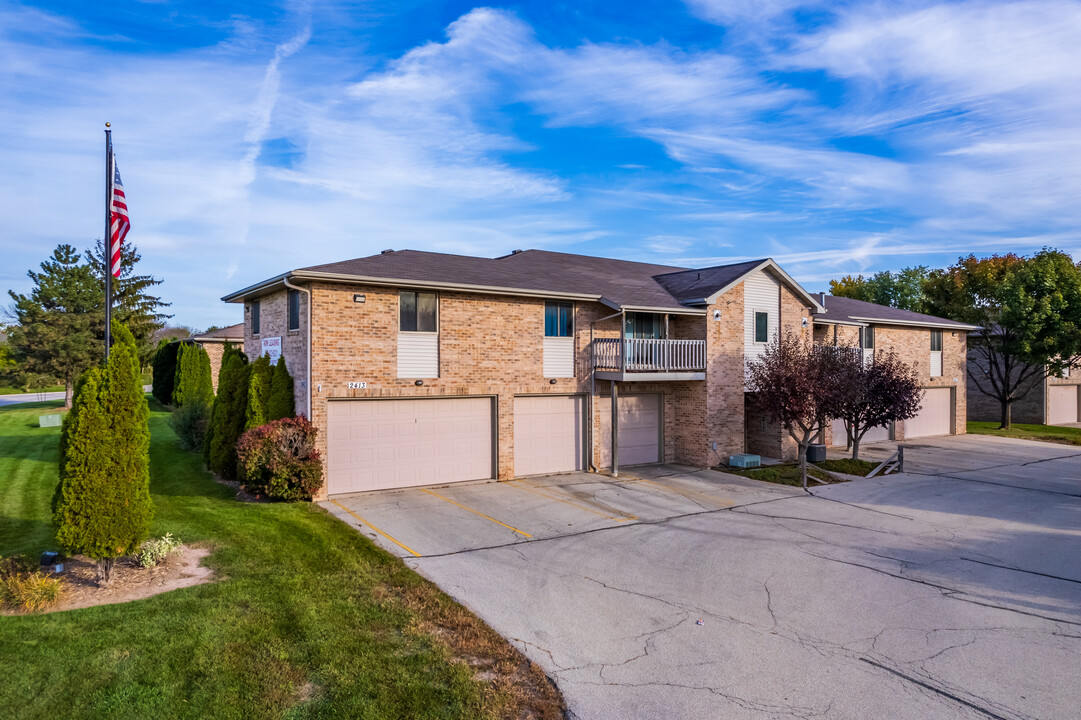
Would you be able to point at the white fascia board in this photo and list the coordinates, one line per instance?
(819, 320)
(664, 310)
(301, 275)
(785, 277)
(946, 325)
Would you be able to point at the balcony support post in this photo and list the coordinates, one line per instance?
(615, 429)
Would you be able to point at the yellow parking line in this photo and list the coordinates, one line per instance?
(463, 507)
(689, 494)
(526, 486)
(373, 527)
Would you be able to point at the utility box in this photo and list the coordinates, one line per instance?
(744, 461)
(48, 421)
(816, 453)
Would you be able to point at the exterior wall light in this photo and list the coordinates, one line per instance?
(419, 382)
(358, 298)
(552, 381)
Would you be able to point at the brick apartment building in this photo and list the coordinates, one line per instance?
(421, 367)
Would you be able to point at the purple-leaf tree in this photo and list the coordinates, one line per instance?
(875, 394)
(795, 383)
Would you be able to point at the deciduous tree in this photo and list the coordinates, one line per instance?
(794, 381)
(1029, 315)
(875, 394)
(902, 289)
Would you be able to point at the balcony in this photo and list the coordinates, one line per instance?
(647, 360)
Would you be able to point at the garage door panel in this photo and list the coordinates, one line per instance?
(934, 417)
(380, 444)
(639, 429)
(548, 434)
(1062, 404)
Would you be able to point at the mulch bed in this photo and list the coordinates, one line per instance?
(129, 581)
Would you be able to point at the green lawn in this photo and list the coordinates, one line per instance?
(20, 391)
(308, 619)
(1045, 433)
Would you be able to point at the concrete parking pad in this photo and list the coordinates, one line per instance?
(449, 519)
(955, 593)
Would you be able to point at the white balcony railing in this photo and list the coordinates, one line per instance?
(642, 355)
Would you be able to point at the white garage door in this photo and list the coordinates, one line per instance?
(933, 417)
(840, 438)
(382, 444)
(1062, 404)
(548, 434)
(639, 429)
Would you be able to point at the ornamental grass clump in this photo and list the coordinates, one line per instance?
(24, 587)
(279, 460)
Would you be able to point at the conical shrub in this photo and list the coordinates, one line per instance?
(102, 507)
(259, 393)
(281, 403)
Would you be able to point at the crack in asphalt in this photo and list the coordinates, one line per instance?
(925, 684)
(1021, 570)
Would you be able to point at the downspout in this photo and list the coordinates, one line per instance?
(593, 381)
(307, 292)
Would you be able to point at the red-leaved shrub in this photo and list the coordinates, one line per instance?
(279, 459)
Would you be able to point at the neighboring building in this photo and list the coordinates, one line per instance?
(214, 344)
(1046, 401)
(935, 347)
(427, 368)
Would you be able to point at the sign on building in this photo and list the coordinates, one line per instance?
(273, 348)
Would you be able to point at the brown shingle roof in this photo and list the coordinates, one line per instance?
(233, 332)
(847, 310)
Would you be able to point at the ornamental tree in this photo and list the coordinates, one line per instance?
(869, 395)
(794, 382)
(261, 375)
(164, 370)
(102, 506)
(193, 376)
(281, 403)
(229, 413)
(1029, 315)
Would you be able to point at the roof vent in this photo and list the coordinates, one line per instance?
(387, 251)
(515, 252)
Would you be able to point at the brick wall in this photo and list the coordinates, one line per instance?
(273, 322)
(214, 351)
(1029, 409)
(913, 345)
(763, 435)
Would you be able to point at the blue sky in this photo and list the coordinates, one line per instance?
(257, 137)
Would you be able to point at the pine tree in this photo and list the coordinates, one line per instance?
(133, 305)
(56, 333)
(259, 393)
(228, 417)
(281, 402)
(165, 370)
(102, 507)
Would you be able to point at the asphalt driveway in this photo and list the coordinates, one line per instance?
(953, 591)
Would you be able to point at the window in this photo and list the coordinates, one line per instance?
(936, 341)
(558, 319)
(294, 309)
(255, 317)
(645, 326)
(417, 311)
(867, 338)
(761, 327)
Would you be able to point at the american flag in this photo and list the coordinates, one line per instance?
(118, 216)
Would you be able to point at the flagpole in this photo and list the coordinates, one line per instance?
(106, 256)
